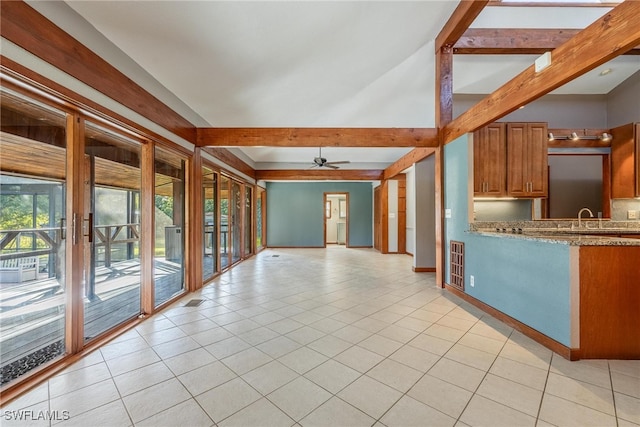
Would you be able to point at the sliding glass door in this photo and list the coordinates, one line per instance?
(225, 241)
(168, 266)
(236, 222)
(209, 209)
(248, 220)
(33, 289)
(112, 221)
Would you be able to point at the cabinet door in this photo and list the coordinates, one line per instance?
(538, 159)
(624, 162)
(489, 161)
(637, 154)
(527, 174)
(517, 154)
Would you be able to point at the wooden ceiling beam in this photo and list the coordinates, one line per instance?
(464, 14)
(407, 160)
(609, 36)
(515, 41)
(317, 137)
(230, 159)
(320, 174)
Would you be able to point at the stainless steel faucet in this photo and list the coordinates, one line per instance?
(580, 215)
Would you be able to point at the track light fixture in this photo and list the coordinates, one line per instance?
(605, 137)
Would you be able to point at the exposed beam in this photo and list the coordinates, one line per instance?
(444, 86)
(320, 174)
(230, 159)
(407, 160)
(609, 36)
(24, 26)
(317, 137)
(551, 3)
(466, 12)
(515, 41)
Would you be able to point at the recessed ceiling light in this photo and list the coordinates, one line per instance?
(606, 71)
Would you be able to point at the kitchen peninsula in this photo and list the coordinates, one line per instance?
(598, 292)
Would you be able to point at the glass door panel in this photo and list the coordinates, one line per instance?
(210, 240)
(170, 169)
(32, 238)
(225, 241)
(112, 217)
(248, 220)
(236, 222)
(260, 206)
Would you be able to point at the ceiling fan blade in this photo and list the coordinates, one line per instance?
(338, 162)
(329, 165)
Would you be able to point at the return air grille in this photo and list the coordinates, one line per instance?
(457, 264)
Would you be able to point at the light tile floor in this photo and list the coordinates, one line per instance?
(335, 337)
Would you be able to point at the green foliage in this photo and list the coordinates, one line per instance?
(165, 204)
(224, 206)
(16, 213)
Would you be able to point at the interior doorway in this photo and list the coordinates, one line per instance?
(336, 219)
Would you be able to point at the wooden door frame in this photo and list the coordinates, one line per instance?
(324, 216)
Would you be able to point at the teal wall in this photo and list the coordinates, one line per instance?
(528, 280)
(295, 213)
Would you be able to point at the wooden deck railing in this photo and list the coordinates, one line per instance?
(11, 246)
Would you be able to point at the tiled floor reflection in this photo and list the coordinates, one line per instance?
(335, 337)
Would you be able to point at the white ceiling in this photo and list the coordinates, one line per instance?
(305, 63)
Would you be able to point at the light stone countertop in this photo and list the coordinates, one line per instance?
(564, 239)
(592, 232)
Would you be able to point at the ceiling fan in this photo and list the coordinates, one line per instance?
(322, 162)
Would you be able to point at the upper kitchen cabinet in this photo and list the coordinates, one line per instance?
(490, 161)
(527, 170)
(625, 162)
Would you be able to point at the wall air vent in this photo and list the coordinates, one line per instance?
(456, 257)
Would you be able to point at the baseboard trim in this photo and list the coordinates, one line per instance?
(423, 269)
(539, 337)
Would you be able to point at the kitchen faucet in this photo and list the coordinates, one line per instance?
(580, 215)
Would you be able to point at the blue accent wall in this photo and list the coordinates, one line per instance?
(295, 213)
(527, 280)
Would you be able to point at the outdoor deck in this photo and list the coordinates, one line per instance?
(32, 313)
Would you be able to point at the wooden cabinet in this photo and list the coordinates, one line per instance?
(490, 161)
(527, 164)
(510, 159)
(625, 162)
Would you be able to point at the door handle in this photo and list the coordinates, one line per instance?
(90, 227)
(63, 231)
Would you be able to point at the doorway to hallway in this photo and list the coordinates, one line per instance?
(336, 219)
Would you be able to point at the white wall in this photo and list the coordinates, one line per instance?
(411, 211)
(424, 255)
